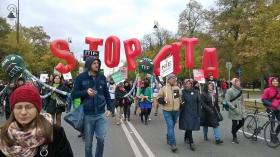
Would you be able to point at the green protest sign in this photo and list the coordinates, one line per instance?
(118, 77)
(146, 65)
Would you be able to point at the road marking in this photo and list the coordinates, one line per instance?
(252, 134)
(142, 142)
(133, 145)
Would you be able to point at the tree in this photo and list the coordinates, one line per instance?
(4, 31)
(37, 37)
(191, 19)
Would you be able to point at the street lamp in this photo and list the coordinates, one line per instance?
(158, 33)
(12, 8)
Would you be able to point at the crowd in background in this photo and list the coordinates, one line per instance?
(195, 105)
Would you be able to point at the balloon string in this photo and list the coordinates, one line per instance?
(132, 89)
(2, 91)
(46, 95)
(44, 84)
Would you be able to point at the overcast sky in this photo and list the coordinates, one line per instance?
(77, 19)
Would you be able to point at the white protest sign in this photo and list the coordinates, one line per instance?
(67, 76)
(166, 66)
(198, 75)
(44, 77)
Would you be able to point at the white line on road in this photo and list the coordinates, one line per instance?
(252, 134)
(133, 145)
(142, 142)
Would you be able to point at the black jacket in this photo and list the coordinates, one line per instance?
(60, 147)
(209, 115)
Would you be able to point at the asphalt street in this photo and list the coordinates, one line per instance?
(133, 138)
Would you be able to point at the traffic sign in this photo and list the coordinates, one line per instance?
(228, 65)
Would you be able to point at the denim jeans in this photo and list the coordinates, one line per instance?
(216, 132)
(170, 120)
(95, 124)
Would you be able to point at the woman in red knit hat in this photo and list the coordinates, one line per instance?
(28, 133)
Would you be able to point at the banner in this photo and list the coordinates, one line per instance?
(123, 70)
(198, 75)
(166, 66)
(88, 53)
(44, 77)
(67, 76)
(118, 77)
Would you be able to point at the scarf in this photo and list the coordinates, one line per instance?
(212, 95)
(26, 143)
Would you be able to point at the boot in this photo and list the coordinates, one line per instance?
(218, 142)
(192, 147)
(205, 138)
(235, 140)
(274, 139)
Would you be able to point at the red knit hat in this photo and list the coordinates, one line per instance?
(26, 93)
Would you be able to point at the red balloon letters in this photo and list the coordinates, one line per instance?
(133, 49)
(61, 50)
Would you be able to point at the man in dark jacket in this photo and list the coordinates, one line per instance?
(91, 87)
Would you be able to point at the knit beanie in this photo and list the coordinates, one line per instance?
(26, 93)
(170, 76)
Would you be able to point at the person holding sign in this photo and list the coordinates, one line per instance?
(169, 97)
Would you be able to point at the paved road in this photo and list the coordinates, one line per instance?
(135, 139)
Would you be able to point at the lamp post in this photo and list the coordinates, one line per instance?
(158, 33)
(12, 8)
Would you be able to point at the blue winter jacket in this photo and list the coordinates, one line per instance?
(92, 105)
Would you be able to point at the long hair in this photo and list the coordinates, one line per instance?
(205, 89)
(39, 121)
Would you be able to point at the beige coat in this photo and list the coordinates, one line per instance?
(173, 100)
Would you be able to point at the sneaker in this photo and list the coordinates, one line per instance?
(173, 148)
(155, 114)
(118, 123)
(234, 140)
(218, 142)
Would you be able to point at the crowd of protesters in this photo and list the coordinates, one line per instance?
(194, 106)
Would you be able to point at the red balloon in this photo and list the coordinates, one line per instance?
(131, 53)
(162, 54)
(112, 56)
(94, 43)
(177, 68)
(60, 49)
(189, 54)
(210, 62)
